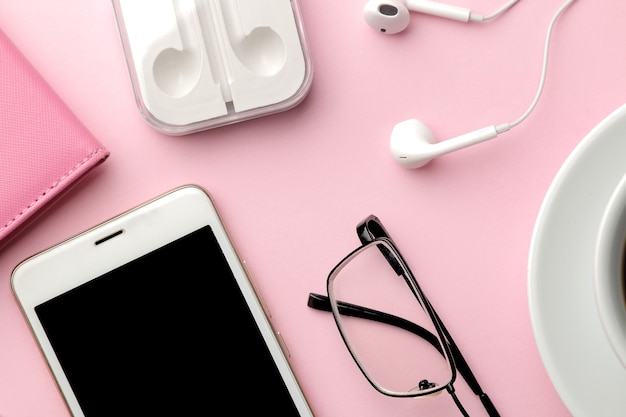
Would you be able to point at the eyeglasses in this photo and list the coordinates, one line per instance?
(401, 347)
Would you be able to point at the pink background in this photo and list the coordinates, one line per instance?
(293, 186)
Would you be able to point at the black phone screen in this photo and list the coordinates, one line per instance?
(167, 334)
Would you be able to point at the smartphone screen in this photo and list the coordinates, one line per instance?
(168, 333)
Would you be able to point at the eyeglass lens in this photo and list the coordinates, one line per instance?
(398, 359)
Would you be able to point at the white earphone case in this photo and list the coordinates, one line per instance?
(200, 64)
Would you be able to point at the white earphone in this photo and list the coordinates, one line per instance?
(392, 16)
(413, 144)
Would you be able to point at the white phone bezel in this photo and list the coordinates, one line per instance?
(78, 260)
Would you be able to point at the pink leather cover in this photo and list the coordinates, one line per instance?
(44, 149)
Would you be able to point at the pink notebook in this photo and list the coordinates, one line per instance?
(44, 149)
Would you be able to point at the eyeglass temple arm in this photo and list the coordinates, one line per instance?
(465, 370)
(321, 302)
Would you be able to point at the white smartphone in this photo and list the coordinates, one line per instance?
(153, 313)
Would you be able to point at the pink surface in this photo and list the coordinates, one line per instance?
(292, 186)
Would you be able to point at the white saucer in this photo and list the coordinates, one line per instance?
(576, 353)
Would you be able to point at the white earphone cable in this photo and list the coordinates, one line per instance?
(544, 70)
(500, 11)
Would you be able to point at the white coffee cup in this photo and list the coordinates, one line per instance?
(609, 274)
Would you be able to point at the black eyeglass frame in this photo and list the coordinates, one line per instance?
(371, 231)
(393, 257)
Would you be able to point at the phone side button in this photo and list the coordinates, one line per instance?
(283, 345)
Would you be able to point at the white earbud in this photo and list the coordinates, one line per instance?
(413, 144)
(392, 16)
